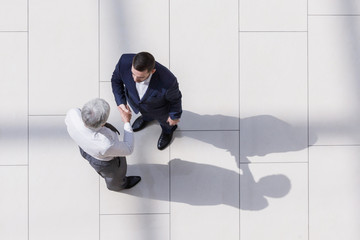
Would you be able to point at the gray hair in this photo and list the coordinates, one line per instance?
(95, 113)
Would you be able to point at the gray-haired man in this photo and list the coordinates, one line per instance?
(99, 143)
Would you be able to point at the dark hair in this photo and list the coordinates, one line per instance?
(143, 61)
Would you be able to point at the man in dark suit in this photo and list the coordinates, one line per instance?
(149, 88)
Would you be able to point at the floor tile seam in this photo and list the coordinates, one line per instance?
(170, 148)
(99, 49)
(273, 163)
(131, 214)
(47, 115)
(273, 31)
(13, 31)
(99, 88)
(308, 120)
(28, 113)
(335, 145)
(239, 113)
(334, 15)
(169, 30)
(208, 130)
(14, 165)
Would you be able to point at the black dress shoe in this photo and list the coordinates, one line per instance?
(139, 124)
(132, 181)
(164, 140)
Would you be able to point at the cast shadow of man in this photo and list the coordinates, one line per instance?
(204, 184)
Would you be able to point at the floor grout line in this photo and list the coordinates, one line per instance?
(13, 31)
(20, 165)
(308, 121)
(272, 163)
(255, 31)
(209, 130)
(333, 15)
(99, 86)
(132, 214)
(47, 115)
(169, 166)
(239, 122)
(337, 145)
(28, 118)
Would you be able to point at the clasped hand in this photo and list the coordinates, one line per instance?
(125, 112)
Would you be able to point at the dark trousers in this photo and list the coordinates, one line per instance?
(113, 171)
(166, 128)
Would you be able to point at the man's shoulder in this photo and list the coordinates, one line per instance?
(125, 63)
(127, 58)
(73, 113)
(73, 110)
(166, 76)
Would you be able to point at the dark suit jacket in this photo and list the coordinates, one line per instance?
(162, 97)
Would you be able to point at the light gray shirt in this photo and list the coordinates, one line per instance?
(101, 143)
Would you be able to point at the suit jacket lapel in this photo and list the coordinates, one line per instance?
(154, 81)
(131, 85)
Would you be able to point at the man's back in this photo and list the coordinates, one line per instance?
(101, 143)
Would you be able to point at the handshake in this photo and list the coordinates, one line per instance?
(125, 113)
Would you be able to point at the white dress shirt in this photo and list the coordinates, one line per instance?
(101, 143)
(141, 87)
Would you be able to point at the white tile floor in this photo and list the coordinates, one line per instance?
(268, 146)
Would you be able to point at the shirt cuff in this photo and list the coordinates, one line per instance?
(127, 127)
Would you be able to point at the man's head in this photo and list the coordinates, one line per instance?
(143, 65)
(95, 113)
